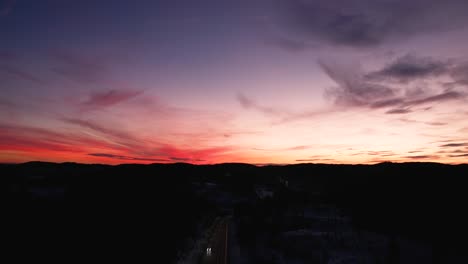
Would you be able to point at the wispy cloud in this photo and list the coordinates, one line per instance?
(421, 157)
(414, 121)
(119, 139)
(459, 155)
(34, 139)
(249, 103)
(441, 97)
(352, 90)
(302, 147)
(20, 74)
(409, 68)
(355, 89)
(384, 153)
(279, 115)
(80, 68)
(193, 154)
(112, 144)
(126, 158)
(108, 98)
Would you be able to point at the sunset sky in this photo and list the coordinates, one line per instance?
(256, 81)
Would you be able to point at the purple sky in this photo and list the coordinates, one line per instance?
(258, 81)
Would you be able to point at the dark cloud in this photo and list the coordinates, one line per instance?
(444, 96)
(366, 23)
(454, 145)
(180, 159)
(380, 89)
(422, 157)
(436, 123)
(399, 111)
(356, 89)
(109, 98)
(352, 90)
(387, 103)
(458, 155)
(112, 156)
(410, 67)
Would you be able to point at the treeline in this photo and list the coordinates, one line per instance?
(148, 210)
(69, 212)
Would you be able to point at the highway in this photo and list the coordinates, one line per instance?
(216, 251)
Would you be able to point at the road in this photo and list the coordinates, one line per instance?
(217, 248)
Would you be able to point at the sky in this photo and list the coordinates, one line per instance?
(255, 81)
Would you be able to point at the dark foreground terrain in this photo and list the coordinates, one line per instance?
(385, 213)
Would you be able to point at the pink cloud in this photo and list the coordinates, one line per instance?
(32, 139)
(119, 139)
(32, 142)
(194, 155)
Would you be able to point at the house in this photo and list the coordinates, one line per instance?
(264, 192)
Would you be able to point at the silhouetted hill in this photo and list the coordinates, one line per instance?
(116, 209)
